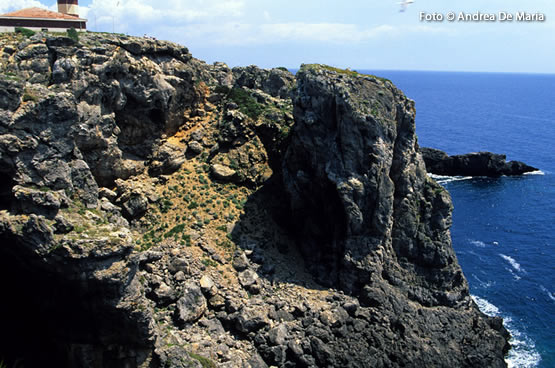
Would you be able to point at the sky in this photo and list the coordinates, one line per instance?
(360, 34)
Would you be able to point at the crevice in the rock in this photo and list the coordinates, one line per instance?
(6, 196)
(49, 319)
(30, 314)
(140, 127)
(52, 57)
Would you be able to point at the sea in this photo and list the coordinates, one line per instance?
(503, 228)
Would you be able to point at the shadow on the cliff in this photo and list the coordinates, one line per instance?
(265, 233)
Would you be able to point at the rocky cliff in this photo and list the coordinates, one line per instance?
(472, 164)
(159, 211)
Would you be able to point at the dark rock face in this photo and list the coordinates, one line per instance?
(276, 82)
(372, 223)
(472, 164)
(157, 211)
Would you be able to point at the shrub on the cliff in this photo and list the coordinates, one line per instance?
(175, 230)
(24, 31)
(72, 33)
(205, 362)
(222, 89)
(165, 205)
(247, 104)
(29, 95)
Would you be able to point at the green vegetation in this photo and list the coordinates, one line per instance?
(222, 89)
(25, 31)
(13, 77)
(282, 68)
(284, 131)
(175, 230)
(28, 95)
(349, 72)
(165, 205)
(438, 190)
(186, 239)
(208, 262)
(72, 33)
(205, 362)
(247, 104)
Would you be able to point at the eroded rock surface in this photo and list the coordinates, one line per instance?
(158, 211)
(372, 223)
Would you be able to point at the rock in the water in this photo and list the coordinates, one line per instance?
(471, 164)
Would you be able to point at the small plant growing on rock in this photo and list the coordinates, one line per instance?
(175, 230)
(25, 31)
(28, 95)
(72, 33)
(205, 362)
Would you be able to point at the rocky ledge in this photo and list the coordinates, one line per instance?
(157, 211)
(472, 164)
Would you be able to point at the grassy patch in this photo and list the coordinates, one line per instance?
(247, 104)
(205, 362)
(11, 76)
(175, 230)
(349, 72)
(29, 95)
(208, 262)
(25, 31)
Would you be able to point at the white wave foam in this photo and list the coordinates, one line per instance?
(515, 276)
(537, 172)
(549, 294)
(482, 283)
(478, 243)
(444, 179)
(486, 307)
(523, 353)
(512, 262)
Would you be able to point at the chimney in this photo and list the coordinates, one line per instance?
(70, 7)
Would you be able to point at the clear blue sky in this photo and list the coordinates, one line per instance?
(361, 34)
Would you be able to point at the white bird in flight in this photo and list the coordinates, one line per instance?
(404, 4)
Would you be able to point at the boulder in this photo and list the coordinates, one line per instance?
(472, 164)
(135, 206)
(223, 173)
(251, 319)
(192, 305)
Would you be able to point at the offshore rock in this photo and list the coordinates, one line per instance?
(472, 164)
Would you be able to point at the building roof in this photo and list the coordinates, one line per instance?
(39, 13)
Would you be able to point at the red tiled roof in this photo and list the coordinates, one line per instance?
(38, 13)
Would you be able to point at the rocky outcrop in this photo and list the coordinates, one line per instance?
(372, 223)
(158, 211)
(472, 164)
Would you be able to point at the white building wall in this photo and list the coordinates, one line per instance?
(4, 29)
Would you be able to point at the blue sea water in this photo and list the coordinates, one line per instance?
(503, 229)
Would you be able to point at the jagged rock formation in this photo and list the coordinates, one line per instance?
(158, 211)
(472, 164)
